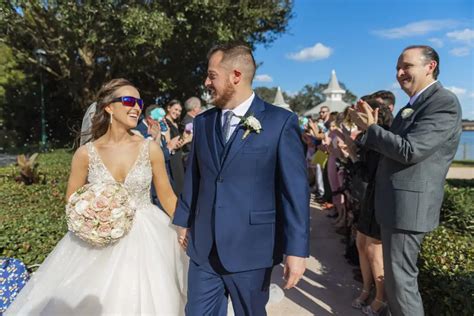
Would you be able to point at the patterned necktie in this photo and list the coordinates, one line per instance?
(226, 127)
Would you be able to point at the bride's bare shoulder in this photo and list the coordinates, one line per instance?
(81, 156)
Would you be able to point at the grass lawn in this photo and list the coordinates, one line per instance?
(463, 163)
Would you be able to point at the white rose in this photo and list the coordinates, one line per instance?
(81, 207)
(254, 123)
(407, 112)
(118, 212)
(117, 233)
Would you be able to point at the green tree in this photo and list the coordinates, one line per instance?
(161, 46)
(268, 94)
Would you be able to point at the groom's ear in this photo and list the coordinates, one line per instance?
(236, 76)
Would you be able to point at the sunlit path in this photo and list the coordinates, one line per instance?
(327, 287)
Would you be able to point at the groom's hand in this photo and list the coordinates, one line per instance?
(183, 237)
(293, 270)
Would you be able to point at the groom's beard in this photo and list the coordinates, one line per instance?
(227, 95)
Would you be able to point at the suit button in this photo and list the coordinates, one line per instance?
(220, 179)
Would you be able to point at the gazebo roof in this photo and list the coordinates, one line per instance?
(334, 86)
(280, 101)
(334, 94)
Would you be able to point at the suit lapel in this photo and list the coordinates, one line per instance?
(210, 127)
(425, 95)
(258, 110)
(419, 102)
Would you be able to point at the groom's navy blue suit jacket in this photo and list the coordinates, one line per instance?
(250, 198)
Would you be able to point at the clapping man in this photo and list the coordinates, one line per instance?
(416, 154)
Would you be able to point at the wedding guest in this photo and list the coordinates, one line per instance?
(324, 116)
(150, 129)
(369, 244)
(173, 119)
(415, 157)
(385, 97)
(330, 144)
(193, 107)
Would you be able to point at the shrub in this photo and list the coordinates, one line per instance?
(32, 217)
(446, 273)
(457, 211)
(28, 169)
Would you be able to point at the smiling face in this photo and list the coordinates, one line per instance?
(218, 81)
(174, 111)
(414, 72)
(324, 113)
(121, 114)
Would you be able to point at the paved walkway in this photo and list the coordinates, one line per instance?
(460, 173)
(6, 159)
(327, 287)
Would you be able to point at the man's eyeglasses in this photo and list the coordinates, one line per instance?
(129, 101)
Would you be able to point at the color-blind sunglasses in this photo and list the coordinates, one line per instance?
(130, 101)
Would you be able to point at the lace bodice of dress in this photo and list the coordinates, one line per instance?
(138, 179)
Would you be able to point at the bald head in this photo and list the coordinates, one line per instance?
(236, 57)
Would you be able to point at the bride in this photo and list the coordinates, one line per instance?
(144, 272)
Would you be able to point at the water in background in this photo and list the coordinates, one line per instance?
(466, 146)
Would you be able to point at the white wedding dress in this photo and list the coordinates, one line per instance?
(144, 273)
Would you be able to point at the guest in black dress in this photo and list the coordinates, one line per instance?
(173, 119)
(369, 243)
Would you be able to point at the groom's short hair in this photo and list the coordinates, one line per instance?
(237, 54)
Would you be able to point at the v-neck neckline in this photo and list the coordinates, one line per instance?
(129, 171)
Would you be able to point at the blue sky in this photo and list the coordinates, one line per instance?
(362, 39)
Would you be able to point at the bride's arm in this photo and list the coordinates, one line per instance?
(79, 169)
(161, 181)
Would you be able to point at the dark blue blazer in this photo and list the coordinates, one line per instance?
(254, 205)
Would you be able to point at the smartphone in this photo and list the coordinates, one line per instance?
(163, 126)
(188, 128)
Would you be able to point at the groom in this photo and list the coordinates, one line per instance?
(245, 202)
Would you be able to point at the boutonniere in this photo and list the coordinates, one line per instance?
(251, 124)
(407, 112)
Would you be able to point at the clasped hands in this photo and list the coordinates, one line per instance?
(363, 116)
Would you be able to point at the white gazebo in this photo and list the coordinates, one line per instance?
(334, 94)
(280, 101)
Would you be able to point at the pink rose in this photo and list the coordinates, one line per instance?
(100, 202)
(114, 204)
(104, 230)
(104, 216)
(87, 226)
(89, 213)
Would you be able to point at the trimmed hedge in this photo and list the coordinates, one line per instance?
(447, 255)
(32, 217)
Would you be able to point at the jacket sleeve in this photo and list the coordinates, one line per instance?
(293, 190)
(431, 129)
(184, 214)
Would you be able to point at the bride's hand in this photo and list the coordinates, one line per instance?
(183, 237)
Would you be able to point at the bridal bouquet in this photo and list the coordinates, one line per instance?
(100, 213)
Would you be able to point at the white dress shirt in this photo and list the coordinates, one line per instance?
(413, 98)
(239, 110)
